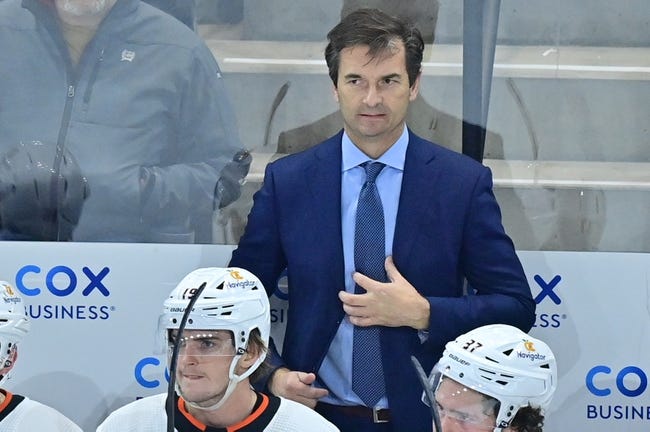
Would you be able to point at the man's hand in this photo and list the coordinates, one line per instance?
(296, 386)
(392, 304)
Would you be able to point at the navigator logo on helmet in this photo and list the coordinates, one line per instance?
(505, 363)
(14, 325)
(232, 299)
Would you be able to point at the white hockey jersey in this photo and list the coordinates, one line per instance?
(271, 414)
(21, 414)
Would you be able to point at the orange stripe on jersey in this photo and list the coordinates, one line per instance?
(8, 397)
(190, 417)
(253, 416)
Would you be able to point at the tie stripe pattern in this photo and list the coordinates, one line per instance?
(369, 256)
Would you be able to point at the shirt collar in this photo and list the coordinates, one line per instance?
(394, 156)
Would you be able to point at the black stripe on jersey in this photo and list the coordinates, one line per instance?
(13, 403)
(183, 424)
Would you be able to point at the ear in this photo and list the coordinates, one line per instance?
(251, 355)
(335, 91)
(415, 88)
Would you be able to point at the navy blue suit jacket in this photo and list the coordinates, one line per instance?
(448, 230)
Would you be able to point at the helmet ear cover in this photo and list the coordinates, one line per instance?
(504, 363)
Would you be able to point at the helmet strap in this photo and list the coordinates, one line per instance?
(232, 383)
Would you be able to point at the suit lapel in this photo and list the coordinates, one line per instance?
(323, 179)
(323, 174)
(418, 184)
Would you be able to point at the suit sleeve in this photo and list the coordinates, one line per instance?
(497, 288)
(260, 251)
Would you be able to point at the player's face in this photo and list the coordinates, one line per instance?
(373, 96)
(204, 358)
(462, 409)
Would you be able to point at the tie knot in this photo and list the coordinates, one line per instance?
(372, 170)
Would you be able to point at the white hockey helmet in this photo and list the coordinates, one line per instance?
(505, 363)
(233, 299)
(14, 324)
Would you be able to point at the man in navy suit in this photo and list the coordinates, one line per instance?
(450, 265)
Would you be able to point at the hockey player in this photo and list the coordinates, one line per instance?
(495, 378)
(220, 348)
(19, 413)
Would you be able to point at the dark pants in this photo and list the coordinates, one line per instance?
(351, 423)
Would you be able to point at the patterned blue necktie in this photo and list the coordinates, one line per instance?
(369, 256)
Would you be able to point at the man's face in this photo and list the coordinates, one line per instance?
(204, 358)
(374, 95)
(462, 409)
(83, 13)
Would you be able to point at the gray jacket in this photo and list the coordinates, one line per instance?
(145, 113)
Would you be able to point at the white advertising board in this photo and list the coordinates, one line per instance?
(94, 310)
(594, 312)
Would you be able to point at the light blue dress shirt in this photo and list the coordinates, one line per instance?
(336, 370)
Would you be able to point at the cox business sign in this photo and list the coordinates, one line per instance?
(44, 288)
(549, 298)
(148, 367)
(613, 385)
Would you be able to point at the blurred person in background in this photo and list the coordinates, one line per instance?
(137, 98)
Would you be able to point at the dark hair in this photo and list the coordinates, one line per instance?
(256, 343)
(423, 14)
(528, 419)
(378, 30)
